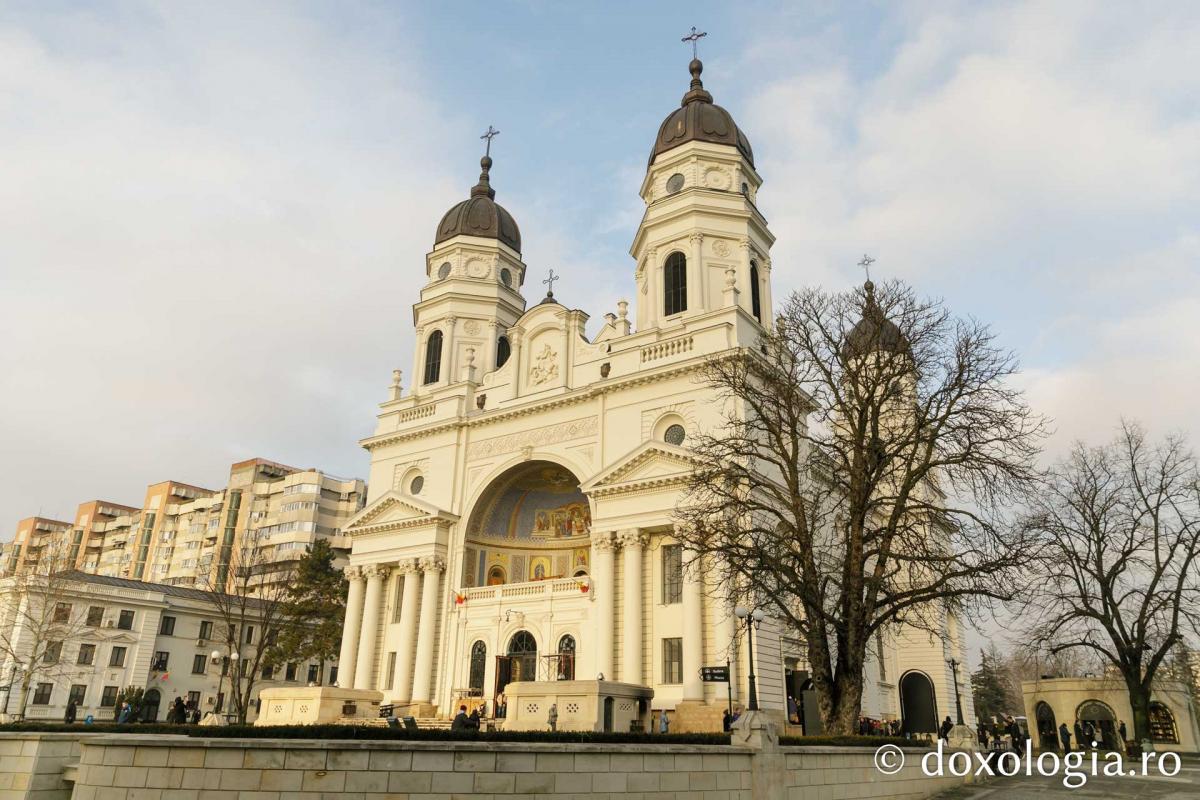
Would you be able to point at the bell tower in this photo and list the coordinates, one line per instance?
(472, 293)
(702, 245)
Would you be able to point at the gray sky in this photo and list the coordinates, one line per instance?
(213, 218)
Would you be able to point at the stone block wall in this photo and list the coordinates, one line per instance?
(832, 773)
(32, 765)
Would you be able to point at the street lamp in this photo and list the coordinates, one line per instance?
(957, 698)
(233, 659)
(753, 619)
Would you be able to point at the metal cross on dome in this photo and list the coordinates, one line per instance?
(693, 38)
(492, 133)
(866, 263)
(550, 283)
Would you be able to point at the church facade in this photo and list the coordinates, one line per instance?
(519, 524)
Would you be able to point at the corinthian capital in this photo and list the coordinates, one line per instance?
(380, 571)
(633, 538)
(408, 566)
(605, 542)
(432, 564)
(353, 573)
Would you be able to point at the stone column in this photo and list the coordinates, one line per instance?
(693, 627)
(604, 546)
(411, 575)
(423, 670)
(633, 542)
(350, 627)
(376, 574)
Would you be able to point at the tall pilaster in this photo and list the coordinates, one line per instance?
(423, 671)
(633, 542)
(604, 546)
(410, 573)
(376, 574)
(350, 627)
(693, 627)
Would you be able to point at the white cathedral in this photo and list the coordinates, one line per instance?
(519, 530)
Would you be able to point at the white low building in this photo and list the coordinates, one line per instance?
(121, 633)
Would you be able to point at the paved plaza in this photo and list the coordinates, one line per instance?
(1185, 785)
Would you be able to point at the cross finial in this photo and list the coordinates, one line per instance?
(492, 133)
(550, 283)
(693, 38)
(866, 263)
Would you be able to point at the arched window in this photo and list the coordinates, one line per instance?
(1162, 724)
(755, 296)
(566, 658)
(503, 351)
(495, 576)
(478, 665)
(675, 284)
(433, 357)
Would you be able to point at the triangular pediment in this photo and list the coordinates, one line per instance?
(397, 510)
(649, 463)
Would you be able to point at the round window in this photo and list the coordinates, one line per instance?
(506, 277)
(444, 271)
(418, 483)
(674, 183)
(674, 434)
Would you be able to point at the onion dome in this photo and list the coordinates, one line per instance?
(874, 333)
(699, 119)
(480, 215)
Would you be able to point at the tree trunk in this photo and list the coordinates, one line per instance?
(1139, 701)
(23, 700)
(848, 708)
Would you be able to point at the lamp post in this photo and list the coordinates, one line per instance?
(233, 660)
(957, 697)
(753, 619)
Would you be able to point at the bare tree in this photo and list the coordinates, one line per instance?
(251, 598)
(1118, 568)
(39, 612)
(870, 446)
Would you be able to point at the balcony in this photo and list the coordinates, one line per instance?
(534, 590)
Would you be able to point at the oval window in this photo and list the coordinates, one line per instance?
(418, 483)
(444, 271)
(506, 277)
(674, 183)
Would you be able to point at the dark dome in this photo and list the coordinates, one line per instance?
(874, 333)
(699, 119)
(480, 215)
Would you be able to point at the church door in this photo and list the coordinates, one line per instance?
(608, 715)
(918, 706)
(503, 673)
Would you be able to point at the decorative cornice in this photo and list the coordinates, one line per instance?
(562, 432)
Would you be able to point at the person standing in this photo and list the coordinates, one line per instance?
(664, 724)
(123, 717)
(944, 731)
(554, 716)
(69, 717)
(1123, 731)
(726, 721)
(1064, 733)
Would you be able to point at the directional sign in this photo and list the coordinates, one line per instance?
(714, 674)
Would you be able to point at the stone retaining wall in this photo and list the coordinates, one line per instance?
(32, 765)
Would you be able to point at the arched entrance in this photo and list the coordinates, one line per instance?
(1099, 724)
(150, 703)
(520, 663)
(918, 704)
(1047, 727)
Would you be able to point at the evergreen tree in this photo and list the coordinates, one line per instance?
(318, 604)
(988, 684)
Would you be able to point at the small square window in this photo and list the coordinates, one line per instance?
(77, 693)
(312, 673)
(62, 613)
(41, 695)
(95, 616)
(52, 653)
(206, 629)
(166, 626)
(672, 661)
(199, 664)
(117, 657)
(108, 697)
(125, 621)
(87, 654)
(159, 662)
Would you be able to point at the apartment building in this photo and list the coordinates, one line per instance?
(167, 639)
(186, 535)
(35, 537)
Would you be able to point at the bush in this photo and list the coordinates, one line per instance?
(849, 741)
(145, 728)
(363, 732)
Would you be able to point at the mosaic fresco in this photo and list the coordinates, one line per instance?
(539, 502)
